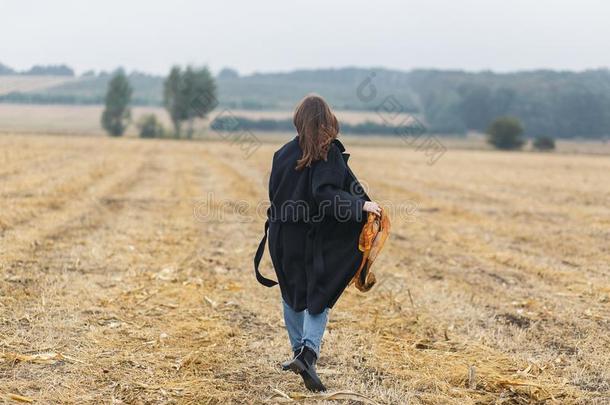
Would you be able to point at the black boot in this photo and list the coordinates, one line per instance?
(305, 365)
(286, 364)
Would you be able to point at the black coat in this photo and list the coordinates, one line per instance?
(314, 222)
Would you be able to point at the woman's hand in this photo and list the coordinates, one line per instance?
(371, 206)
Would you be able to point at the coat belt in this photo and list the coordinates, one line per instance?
(313, 248)
(257, 259)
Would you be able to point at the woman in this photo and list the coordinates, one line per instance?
(314, 221)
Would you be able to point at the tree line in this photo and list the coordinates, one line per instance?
(504, 133)
(564, 104)
(190, 94)
(238, 123)
(38, 70)
(560, 104)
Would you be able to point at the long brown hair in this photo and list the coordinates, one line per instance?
(317, 127)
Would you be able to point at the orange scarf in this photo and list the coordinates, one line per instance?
(372, 238)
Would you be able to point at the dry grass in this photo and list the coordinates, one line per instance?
(65, 119)
(495, 290)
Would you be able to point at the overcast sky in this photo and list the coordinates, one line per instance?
(280, 35)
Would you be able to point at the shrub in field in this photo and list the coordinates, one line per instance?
(544, 143)
(232, 123)
(150, 127)
(506, 133)
(117, 114)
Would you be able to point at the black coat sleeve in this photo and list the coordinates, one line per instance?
(328, 181)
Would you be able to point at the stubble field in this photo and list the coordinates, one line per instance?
(126, 277)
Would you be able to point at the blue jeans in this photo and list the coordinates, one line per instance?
(305, 329)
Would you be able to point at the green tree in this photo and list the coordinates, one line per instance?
(544, 143)
(150, 127)
(173, 99)
(187, 95)
(506, 133)
(200, 90)
(117, 114)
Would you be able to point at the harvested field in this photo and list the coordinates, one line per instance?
(126, 277)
